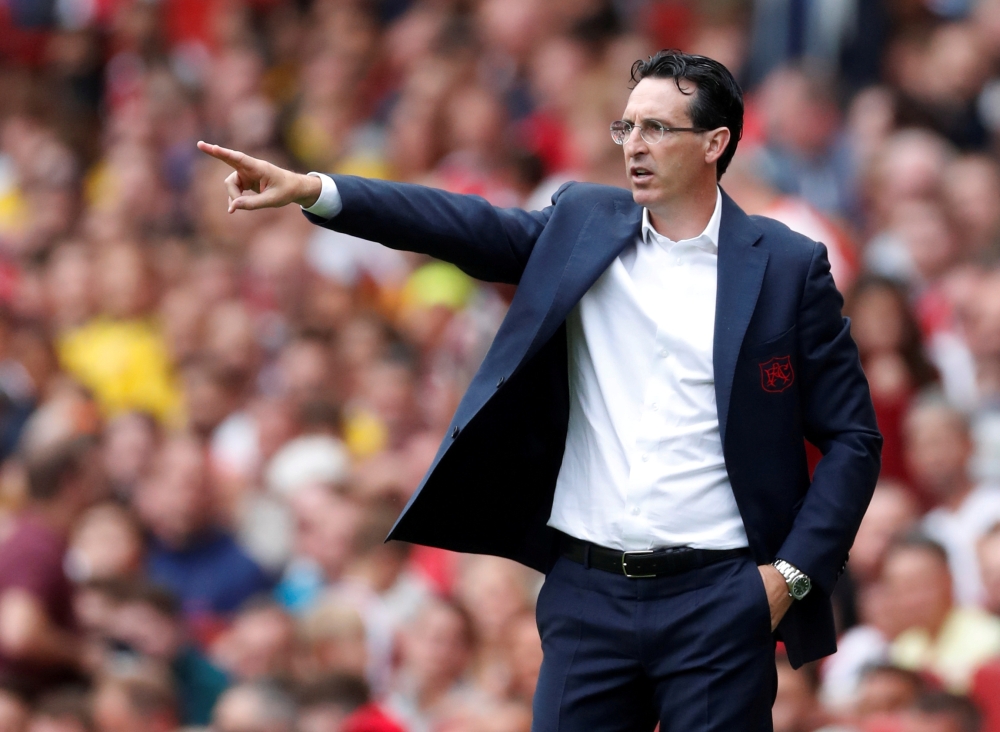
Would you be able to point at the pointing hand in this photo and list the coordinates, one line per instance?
(257, 183)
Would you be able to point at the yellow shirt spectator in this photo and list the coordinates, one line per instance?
(126, 365)
(968, 638)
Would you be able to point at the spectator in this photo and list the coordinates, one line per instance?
(972, 192)
(795, 706)
(38, 642)
(107, 542)
(255, 707)
(892, 353)
(435, 656)
(940, 637)
(326, 521)
(524, 657)
(14, 712)
(140, 700)
(189, 553)
(121, 356)
(327, 703)
(332, 640)
(258, 644)
(62, 710)
(988, 551)
(891, 513)
(805, 155)
(383, 568)
(886, 690)
(942, 712)
(493, 592)
(146, 621)
(130, 442)
(938, 450)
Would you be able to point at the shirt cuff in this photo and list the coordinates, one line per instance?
(329, 203)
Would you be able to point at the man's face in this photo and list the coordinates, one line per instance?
(919, 587)
(175, 502)
(660, 172)
(989, 567)
(938, 449)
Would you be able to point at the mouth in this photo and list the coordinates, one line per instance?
(638, 174)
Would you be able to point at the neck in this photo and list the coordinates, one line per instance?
(937, 624)
(685, 217)
(956, 497)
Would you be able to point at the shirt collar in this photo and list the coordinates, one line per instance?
(708, 239)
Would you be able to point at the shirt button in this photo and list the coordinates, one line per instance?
(653, 406)
(677, 260)
(635, 511)
(645, 458)
(664, 353)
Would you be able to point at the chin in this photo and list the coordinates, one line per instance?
(643, 196)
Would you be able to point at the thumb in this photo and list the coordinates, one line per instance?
(251, 201)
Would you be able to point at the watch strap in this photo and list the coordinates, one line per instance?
(791, 573)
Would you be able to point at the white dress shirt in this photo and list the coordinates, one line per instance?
(643, 466)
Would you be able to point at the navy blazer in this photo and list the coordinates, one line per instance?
(786, 370)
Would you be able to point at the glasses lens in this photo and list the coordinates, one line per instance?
(620, 131)
(652, 132)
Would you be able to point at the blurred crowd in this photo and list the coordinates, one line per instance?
(209, 422)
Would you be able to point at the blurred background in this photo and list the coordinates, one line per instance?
(208, 423)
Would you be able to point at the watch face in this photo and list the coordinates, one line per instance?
(800, 587)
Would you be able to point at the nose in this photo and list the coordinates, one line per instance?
(634, 142)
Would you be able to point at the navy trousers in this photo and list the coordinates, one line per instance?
(693, 652)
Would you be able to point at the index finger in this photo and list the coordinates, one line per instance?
(230, 157)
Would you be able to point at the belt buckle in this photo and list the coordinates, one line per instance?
(625, 556)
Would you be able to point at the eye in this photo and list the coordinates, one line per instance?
(654, 126)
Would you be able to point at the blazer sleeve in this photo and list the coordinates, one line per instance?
(485, 241)
(839, 419)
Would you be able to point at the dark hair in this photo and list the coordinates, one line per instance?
(914, 540)
(343, 689)
(959, 708)
(718, 99)
(921, 370)
(50, 468)
(63, 702)
(912, 678)
(144, 592)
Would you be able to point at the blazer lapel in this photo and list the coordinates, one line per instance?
(611, 226)
(740, 275)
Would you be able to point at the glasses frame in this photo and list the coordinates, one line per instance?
(627, 128)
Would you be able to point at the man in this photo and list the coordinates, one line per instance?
(257, 706)
(937, 636)
(202, 565)
(988, 553)
(640, 416)
(147, 627)
(939, 448)
(137, 699)
(38, 642)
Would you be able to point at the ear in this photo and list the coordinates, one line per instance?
(716, 143)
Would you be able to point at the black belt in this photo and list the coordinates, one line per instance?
(652, 563)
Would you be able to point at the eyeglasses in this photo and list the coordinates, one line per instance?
(649, 130)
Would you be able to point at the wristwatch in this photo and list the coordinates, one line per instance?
(799, 583)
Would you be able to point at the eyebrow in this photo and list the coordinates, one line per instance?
(647, 119)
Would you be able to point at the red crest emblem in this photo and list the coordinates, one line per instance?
(776, 374)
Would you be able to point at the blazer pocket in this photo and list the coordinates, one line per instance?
(784, 341)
